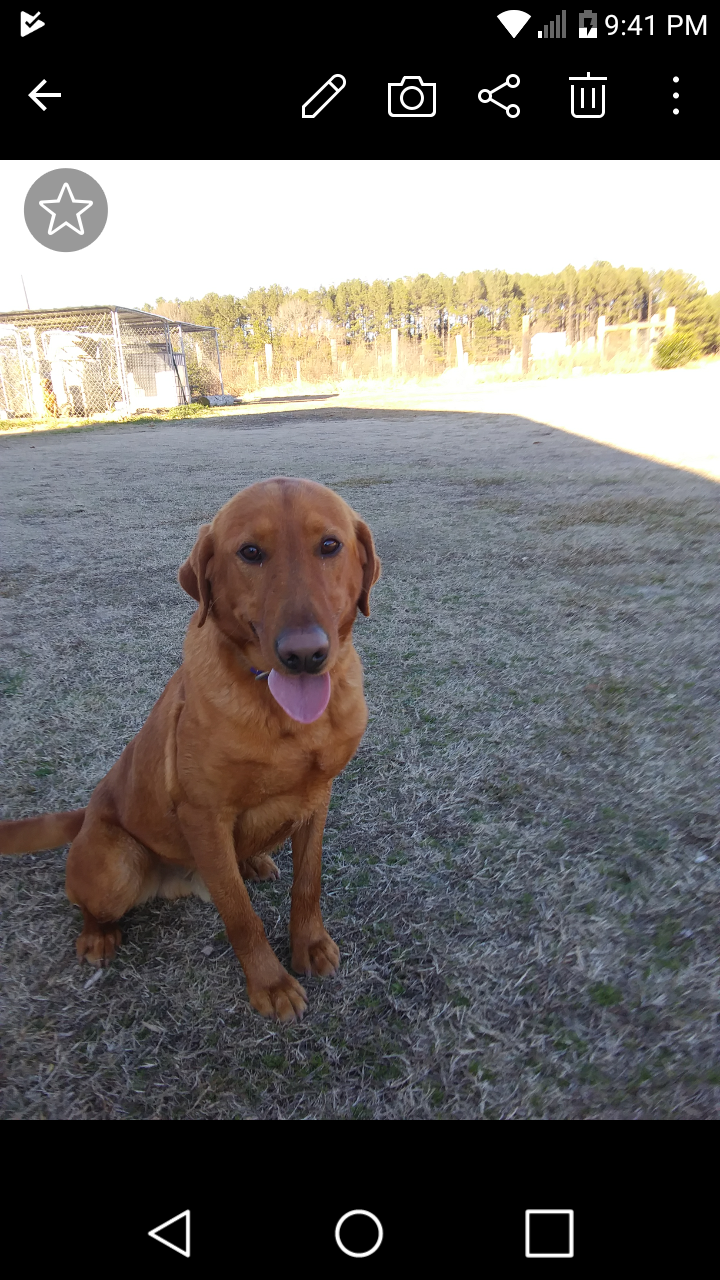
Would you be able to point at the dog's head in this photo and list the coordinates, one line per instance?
(282, 571)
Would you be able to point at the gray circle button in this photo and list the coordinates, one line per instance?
(66, 210)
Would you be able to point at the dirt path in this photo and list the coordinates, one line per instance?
(671, 416)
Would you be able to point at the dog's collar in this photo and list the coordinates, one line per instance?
(259, 675)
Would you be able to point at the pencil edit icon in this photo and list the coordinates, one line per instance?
(324, 96)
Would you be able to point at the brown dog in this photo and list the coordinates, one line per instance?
(240, 750)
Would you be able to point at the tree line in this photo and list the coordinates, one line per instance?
(432, 310)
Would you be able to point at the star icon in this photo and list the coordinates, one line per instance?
(67, 206)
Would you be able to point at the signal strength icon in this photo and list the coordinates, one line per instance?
(513, 20)
(554, 30)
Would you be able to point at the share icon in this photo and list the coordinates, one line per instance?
(512, 111)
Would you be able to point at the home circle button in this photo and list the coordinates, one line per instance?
(358, 1233)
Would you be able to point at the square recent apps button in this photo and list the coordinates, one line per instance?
(549, 1233)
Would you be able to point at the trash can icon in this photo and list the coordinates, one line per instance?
(587, 97)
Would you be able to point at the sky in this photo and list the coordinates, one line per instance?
(184, 228)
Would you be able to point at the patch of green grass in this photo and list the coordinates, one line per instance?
(640, 1077)
(9, 586)
(369, 1002)
(387, 1071)
(187, 411)
(608, 693)
(590, 1073)
(84, 424)
(359, 482)
(672, 944)
(605, 994)
(10, 682)
(504, 790)
(612, 511)
(650, 841)
(569, 1039)
(273, 1061)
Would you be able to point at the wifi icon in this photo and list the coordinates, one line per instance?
(514, 20)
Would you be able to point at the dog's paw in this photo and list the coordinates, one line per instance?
(261, 867)
(277, 995)
(98, 943)
(316, 954)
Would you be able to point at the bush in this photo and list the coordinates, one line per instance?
(203, 379)
(678, 348)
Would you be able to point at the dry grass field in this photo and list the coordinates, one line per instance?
(521, 863)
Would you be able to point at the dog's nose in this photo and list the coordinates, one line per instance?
(302, 648)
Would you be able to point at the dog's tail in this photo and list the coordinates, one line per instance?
(31, 835)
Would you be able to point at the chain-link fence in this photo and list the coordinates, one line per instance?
(87, 361)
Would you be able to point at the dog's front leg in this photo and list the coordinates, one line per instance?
(313, 950)
(272, 991)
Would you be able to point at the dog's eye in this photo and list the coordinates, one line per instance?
(251, 553)
(329, 546)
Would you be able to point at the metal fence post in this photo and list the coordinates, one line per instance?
(23, 373)
(173, 361)
(525, 343)
(601, 336)
(36, 381)
(217, 348)
(185, 368)
(122, 373)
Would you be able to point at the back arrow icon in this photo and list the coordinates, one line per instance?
(155, 1233)
(36, 95)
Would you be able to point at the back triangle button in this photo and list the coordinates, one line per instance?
(175, 1233)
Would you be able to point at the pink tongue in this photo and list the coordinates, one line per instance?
(303, 697)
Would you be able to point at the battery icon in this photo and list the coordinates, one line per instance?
(587, 25)
(587, 97)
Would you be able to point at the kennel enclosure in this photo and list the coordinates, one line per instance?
(99, 360)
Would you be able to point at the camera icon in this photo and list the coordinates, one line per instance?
(411, 97)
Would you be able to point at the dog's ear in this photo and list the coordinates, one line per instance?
(193, 574)
(370, 562)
